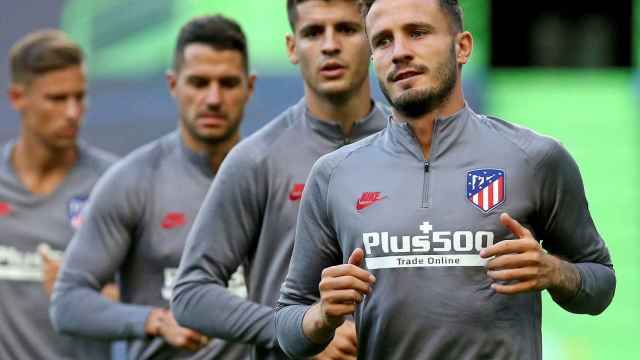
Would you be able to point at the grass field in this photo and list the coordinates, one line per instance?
(595, 115)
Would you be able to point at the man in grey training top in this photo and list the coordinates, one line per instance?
(249, 214)
(141, 210)
(429, 231)
(46, 176)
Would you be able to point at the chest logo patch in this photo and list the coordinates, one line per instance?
(173, 220)
(367, 199)
(486, 188)
(296, 192)
(5, 209)
(74, 210)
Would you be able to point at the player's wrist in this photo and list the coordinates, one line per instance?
(153, 324)
(566, 281)
(316, 326)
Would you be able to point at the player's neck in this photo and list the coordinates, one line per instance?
(345, 110)
(422, 126)
(215, 152)
(218, 152)
(39, 167)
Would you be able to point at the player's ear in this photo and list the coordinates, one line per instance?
(251, 84)
(16, 94)
(291, 49)
(172, 81)
(464, 46)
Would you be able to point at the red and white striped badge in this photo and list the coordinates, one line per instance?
(486, 188)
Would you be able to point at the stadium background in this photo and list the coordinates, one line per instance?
(572, 73)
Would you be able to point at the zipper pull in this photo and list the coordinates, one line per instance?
(427, 165)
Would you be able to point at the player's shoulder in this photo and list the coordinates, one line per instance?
(98, 159)
(151, 154)
(258, 146)
(534, 146)
(143, 161)
(335, 160)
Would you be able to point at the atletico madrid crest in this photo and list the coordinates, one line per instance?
(485, 188)
(74, 210)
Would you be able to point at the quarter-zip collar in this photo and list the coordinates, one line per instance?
(7, 169)
(332, 130)
(199, 161)
(445, 131)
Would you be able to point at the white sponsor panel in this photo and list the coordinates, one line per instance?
(16, 265)
(169, 281)
(402, 261)
(237, 285)
(20, 273)
(423, 249)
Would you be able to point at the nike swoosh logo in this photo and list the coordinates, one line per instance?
(173, 220)
(296, 192)
(363, 204)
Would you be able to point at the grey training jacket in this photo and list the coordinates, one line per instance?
(136, 227)
(248, 218)
(422, 224)
(26, 222)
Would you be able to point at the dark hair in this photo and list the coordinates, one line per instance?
(216, 31)
(451, 7)
(292, 11)
(40, 52)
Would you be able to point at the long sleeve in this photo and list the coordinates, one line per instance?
(223, 234)
(315, 248)
(567, 230)
(94, 257)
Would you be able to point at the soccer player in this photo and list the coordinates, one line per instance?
(445, 210)
(249, 214)
(142, 209)
(46, 176)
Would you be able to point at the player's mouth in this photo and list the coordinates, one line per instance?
(211, 119)
(333, 70)
(68, 132)
(405, 74)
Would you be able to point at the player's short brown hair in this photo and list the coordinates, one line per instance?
(451, 7)
(292, 11)
(216, 31)
(40, 52)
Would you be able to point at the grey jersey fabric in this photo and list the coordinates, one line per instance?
(422, 224)
(136, 226)
(26, 222)
(248, 217)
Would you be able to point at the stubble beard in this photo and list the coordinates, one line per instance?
(418, 102)
(212, 139)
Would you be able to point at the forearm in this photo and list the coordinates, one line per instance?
(291, 333)
(584, 288)
(566, 283)
(213, 310)
(315, 328)
(83, 311)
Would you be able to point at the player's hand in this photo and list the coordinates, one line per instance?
(50, 269)
(111, 292)
(162, 323)
(344, 345)
(342, 288)
(521, 262)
